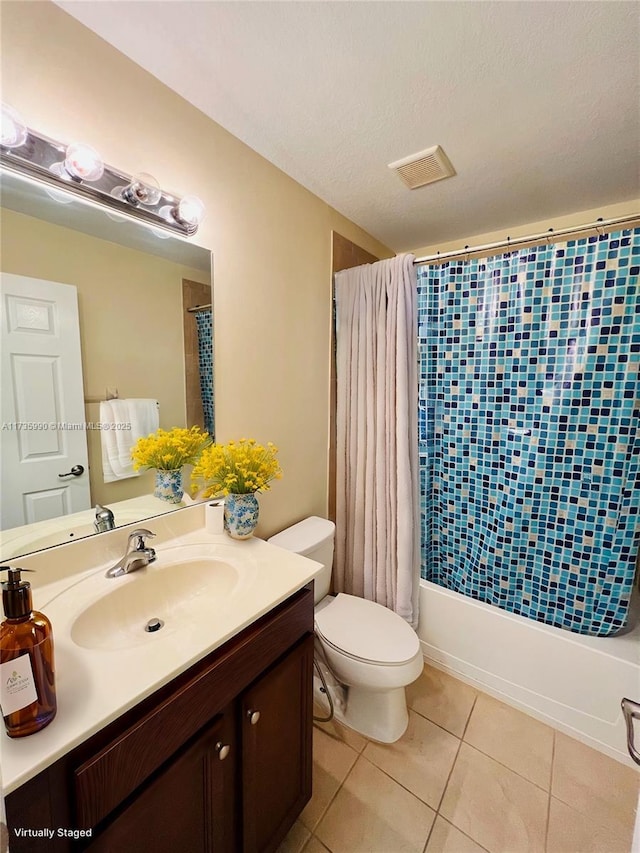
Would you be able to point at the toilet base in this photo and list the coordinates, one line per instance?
(380, 715)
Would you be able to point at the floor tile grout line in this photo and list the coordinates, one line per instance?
(462, 832)
(487, 754)
(439, 725)
(466, 725)
(497, 760)
(306, 843)
(455, 760)
(506, 767)
(553, 758)
(479, 693)
(342, 743)
(362, 756)
(335, 794)
(309, 839)
(399, 784)
(339, 740)
(430, 833)
(446, 784)
(612, 824)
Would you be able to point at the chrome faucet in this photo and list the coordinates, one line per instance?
(137, 555)
(104, 519)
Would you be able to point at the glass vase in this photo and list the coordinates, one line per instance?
(169, 486)
(241, 515)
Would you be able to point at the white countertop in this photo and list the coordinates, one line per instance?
(95, 686)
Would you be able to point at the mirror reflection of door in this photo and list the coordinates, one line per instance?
(41, 370)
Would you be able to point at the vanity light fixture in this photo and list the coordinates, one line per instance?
(189, 211)
(14, 130)
(80, 170)
(81, 163)
(143, 189)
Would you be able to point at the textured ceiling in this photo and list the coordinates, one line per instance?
(537, 104)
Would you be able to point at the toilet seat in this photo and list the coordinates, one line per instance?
(366, 631)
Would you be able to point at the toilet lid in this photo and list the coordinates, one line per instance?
(366, 630)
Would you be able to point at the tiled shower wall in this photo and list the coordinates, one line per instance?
(529, 415)
(193, 293)
(204, 321)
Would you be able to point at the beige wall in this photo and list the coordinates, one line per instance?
(270, 237)
(582, 217)
(131, 323)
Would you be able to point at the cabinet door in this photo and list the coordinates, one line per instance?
(189, 805)
(276, 733)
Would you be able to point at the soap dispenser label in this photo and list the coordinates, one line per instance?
(17, 685)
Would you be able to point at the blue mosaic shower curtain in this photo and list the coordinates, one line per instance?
(529, 441)
(204, 319)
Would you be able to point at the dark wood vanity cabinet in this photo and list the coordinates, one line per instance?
(183, 807)
(276, 749)
(219, 760)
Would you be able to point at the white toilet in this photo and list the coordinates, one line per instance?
(371, 651)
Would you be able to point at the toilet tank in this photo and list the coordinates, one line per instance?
(312, 537)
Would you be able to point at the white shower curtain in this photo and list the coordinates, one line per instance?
(377, 512)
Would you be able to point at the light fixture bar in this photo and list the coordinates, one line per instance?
(42, 158)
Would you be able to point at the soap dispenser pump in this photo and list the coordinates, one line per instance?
(27, 672)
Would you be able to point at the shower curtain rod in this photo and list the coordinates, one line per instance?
(600, 226)
(198, 308)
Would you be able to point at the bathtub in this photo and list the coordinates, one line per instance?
(572, 682)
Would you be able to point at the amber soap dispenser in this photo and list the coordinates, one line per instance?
(27, 675)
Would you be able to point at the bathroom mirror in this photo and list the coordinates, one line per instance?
(138, 340)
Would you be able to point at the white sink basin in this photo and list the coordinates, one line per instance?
(183, 588)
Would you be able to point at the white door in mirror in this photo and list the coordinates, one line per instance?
(42, 430)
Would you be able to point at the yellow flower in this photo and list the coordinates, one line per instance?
(168, 450)
(238, 468)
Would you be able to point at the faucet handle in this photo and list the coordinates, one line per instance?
(139, 536)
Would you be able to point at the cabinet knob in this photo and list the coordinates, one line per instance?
(253, 716)
(223, 749)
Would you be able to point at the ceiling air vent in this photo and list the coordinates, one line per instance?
(425, 167)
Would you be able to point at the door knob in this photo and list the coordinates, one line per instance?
(76, 471)
(253, 716)
(223, 749)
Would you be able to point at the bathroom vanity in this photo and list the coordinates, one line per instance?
(216, 758)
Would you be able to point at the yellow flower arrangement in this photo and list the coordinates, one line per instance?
(236, 468)
(168, 450)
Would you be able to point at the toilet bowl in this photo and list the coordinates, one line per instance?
(371, 651)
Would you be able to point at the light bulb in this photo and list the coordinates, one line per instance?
(14, 130)
(143, 189)
(83, 162)
(190, 211)
(161, 235)
(60, 197)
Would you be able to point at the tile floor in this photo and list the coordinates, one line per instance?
(469, 775)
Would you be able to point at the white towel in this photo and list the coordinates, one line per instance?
(142, 415)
